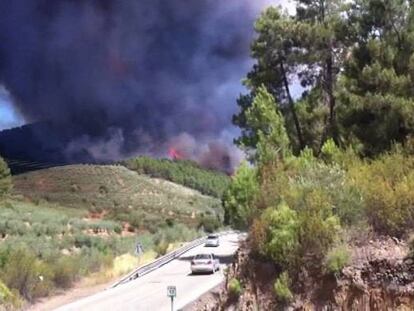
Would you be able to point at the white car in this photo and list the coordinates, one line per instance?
(212, 240)
(205, 263)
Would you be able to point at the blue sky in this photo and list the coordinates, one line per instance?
(8, 116)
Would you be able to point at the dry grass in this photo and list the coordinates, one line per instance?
(122, 265)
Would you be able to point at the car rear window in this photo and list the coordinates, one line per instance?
(202, 256)
(212, 237)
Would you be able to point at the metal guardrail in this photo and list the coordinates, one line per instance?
(157, 263)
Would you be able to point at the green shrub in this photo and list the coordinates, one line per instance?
(170, 222)
(65, 271)
(77, 225)
(282, 288)
(152, 223)
(25, 273)
(281, 240)
(93, 260)
(167, 235)
(234, 288)
(9, 204)
(8, 300)
(136, 219)
(103, 225)
(295, 212)
(53, 229)
(16, 227)
(118, 229)
(336, 259)
(82, 240)
(161, 248)
(5, 179)
(209, 224)
(238, 200)
(319, 228)
(178, 232)
(386, 185)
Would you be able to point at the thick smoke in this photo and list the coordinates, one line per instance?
(126, 77)
(213, 154)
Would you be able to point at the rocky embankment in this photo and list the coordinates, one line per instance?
(379, 277)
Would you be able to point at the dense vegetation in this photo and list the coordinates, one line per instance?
(339, 158)
(183, 172)
(300, 209)
(337, 69)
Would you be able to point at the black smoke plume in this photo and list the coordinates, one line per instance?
(113, 78)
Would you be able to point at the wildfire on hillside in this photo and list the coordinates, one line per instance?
(211, 154)
(174, 154)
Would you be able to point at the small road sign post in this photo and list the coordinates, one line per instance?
(139, 249)
(172, 293)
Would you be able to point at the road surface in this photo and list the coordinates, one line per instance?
(149, 292)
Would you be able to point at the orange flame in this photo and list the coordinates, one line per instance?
(175, 154)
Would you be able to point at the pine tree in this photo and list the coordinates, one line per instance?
(378, 86)
(268, 124)
(307, 48)
(272, 50)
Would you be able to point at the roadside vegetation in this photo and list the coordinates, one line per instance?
(299, 209)
(235, 288)
(337, 161)
(46, 247)
(183, 172)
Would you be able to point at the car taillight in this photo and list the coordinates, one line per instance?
(209, 262)
(192, 262)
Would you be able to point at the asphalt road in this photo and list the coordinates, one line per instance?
(149, 292)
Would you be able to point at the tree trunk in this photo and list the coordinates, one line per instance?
(292, 107)
(328, 82)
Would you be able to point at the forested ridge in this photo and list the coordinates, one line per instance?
(183, 172)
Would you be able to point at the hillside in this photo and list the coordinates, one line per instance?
(65, 245)
(182, 172)
(71, 222)
(115, 192)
